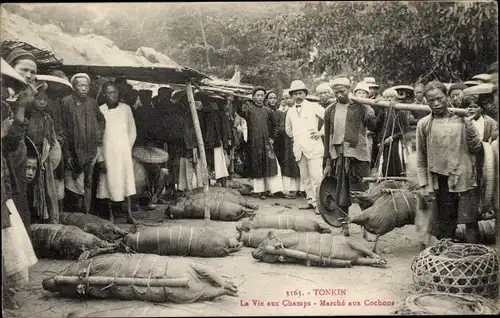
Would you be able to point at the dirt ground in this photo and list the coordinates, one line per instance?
(377, 290)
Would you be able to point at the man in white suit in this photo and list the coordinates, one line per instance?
(302, 125)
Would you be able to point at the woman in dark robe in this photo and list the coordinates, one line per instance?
(215, 139)
(283, 145)
(41, 131)
(392, 125)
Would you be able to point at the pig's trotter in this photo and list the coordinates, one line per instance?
(323, 229)
(375, 245)
(251, 206)
(233, 249)
(84, 256)
(370, 261)
(247, 211)
(363, 249)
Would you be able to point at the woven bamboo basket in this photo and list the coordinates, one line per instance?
(457, 269)
(445, 304)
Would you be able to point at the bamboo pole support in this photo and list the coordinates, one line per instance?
(401, 106)
(123, 281)
(305, 256)
(201, 146)
(375, 179)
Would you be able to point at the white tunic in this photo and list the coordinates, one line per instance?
(119, 136)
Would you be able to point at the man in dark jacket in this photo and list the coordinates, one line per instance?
(83, 125)
(346, 145)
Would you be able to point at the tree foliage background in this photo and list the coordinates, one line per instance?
(274, 43)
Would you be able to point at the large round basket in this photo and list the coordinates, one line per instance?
(457, 268)
(327, 207)
(141, 176)
(445, 304)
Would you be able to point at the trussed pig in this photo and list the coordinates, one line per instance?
(188, 208)
(395, 209)
(283, 221)
(225, 194)
(324, 246)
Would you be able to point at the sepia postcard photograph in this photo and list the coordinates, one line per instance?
(272, 158)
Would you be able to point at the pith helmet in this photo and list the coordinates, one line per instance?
(362, 86)
(298, 85)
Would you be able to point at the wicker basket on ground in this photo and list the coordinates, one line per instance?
(457, 268)
(445, 304)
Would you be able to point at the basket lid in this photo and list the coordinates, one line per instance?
(148, 154)
(328, 208)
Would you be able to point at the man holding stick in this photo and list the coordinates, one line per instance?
(346, 144)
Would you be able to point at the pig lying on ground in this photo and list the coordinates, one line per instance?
(316, 249)
(194, 208)
(254, 238)
(181, 240)
(280, 221)
(58, 241)
(140, 269)
(224, 194)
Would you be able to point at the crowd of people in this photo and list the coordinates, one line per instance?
(62, 147)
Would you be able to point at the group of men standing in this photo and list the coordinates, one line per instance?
(327, 139)
(332, 139)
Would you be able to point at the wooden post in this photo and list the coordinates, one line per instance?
(201, 146)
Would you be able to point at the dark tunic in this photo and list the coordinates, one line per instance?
(393, 124)
(6, 193)
(261, 128)
(54, 109)
(83, 125)
(284, 148)
(44, 200)
(15, 151)
(416, 115)
(348, 171)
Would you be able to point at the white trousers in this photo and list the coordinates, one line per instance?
(311, 174)
(273, 184)
(291, 184)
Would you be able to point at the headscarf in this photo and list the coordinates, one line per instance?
(324, 87)
(258, 88)
(79, 75)
(390, 92)
(59, 74)
(18, 54)
(277, 96)
(419, 85)
(344, 81)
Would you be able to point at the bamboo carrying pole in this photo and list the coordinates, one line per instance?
(123, 281)
(373, 179)
(201, 146)
(306, 256)
(401, 106)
